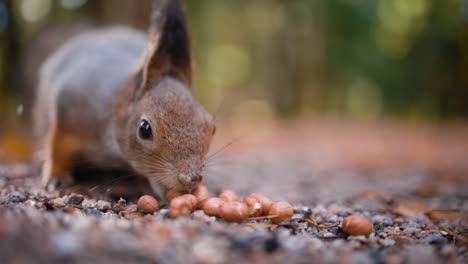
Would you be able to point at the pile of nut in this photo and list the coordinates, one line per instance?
(227, 205)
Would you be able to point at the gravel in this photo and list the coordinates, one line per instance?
(83, 225)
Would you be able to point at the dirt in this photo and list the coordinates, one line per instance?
(408, 179)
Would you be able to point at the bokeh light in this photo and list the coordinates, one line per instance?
(34, 10)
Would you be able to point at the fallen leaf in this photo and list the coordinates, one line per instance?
(410, 208)
(262, 217)
(261, 225)
(447, 215)
(460, 236)
(311, 221)
(373, 194)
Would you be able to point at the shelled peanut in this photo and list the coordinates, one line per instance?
(227, 205)
(148, 203)
(182, 205)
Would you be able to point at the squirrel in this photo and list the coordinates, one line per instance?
(117, 97)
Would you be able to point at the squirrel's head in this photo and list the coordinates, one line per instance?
(163, 131)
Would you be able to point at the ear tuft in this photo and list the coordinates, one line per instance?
(169, 47)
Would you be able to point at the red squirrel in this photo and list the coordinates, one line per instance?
(118, 97)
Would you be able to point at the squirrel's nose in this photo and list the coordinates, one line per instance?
(189, 179)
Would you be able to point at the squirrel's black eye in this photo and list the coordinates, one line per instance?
(214, 130)
(145, 130)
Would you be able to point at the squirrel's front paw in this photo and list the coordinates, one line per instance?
(52, 180)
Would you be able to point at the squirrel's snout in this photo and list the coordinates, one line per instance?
(190, 179)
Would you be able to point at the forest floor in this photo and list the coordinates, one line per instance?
(409, 179)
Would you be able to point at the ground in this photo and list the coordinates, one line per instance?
(408, 178)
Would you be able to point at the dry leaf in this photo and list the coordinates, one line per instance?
(311, 221)
(447, 215)
(373, 194)
(261, 225)
(411, 208)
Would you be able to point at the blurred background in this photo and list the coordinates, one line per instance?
(273, 59)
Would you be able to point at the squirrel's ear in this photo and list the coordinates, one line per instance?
(168, 51)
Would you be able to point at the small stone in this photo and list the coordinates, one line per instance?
(120, 205)
(75, 199)
(332, 219)
(387, 242)
(388, 221)
(297, 218)
(65, 243)
(200, 215)
(398, 221)
(131, 214)
(377, 219)
(90, 203)
(30, 203)
(57, 203)
(435, 240)
(412, 230)
(442, 232)
(382, 234)
(103, 205)
(271, 244)
(306, 211)
(163, 212)
(328, 234)
(69, 210)
(93, 212)
(344, 214)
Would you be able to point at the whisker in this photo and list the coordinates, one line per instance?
(223, 148)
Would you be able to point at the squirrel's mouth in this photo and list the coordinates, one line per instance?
(189, 179)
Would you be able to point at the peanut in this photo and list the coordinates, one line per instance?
(148, 203)
(212, 205)
(171, 194)
(234, 211)
(228, 195)
(202, 194)
(265, 201)
(254, 205)
(283, 210)
(182, 205)
(357, 225)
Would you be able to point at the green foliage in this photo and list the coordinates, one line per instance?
(363, 58)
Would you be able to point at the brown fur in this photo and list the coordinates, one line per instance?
(158, 91)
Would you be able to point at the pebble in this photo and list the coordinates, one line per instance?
(306, 211)
(65, 243)
(329, 234)
(344, 214)
(58, 203)
(103, 205)
(200, 215)
(271, 244)
(382, 234)
(297, 217)
(412, 230)
(434, 239)
(387, 242)
(74, 199)
(93, 212)
(378, 219)
(442, 232)
(398, 221)
(295, 244)
(163, 213)
(388, 221)
(17, 198)
(333, 219)
(120, 205)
